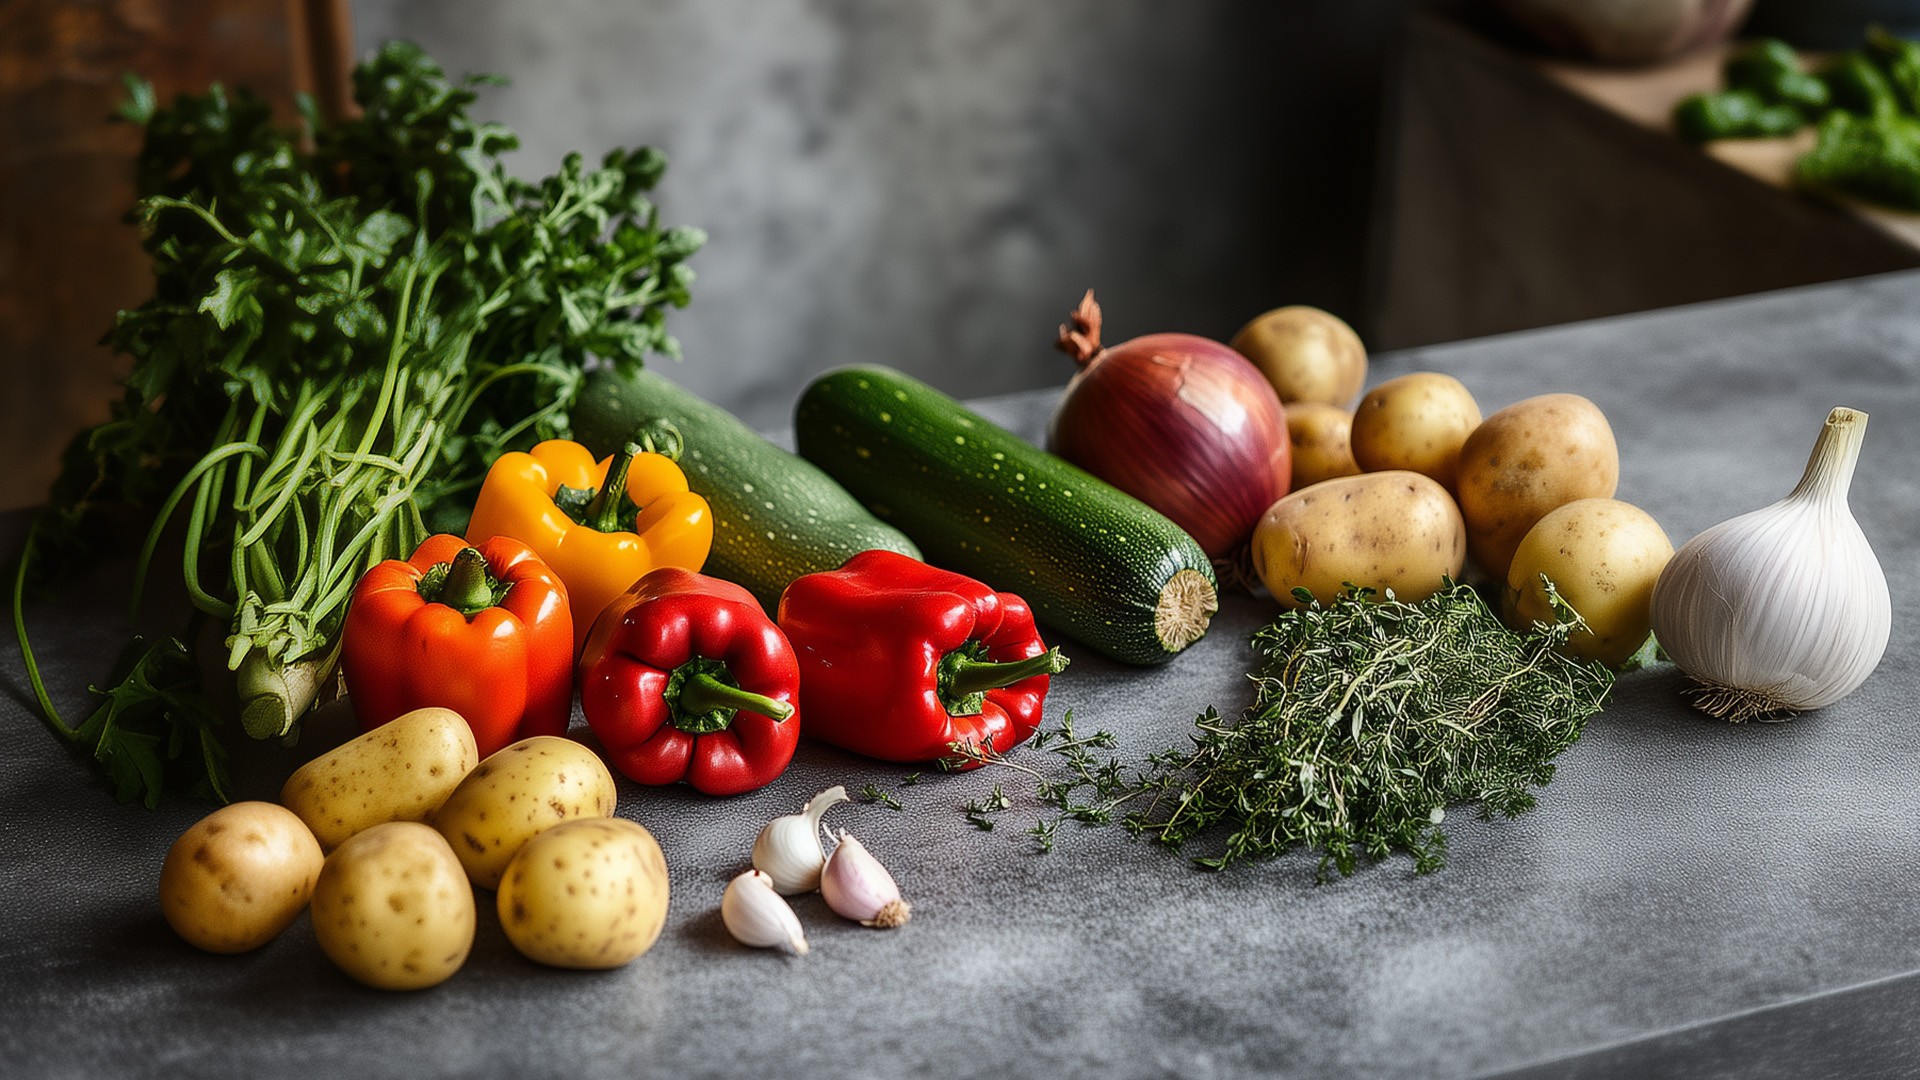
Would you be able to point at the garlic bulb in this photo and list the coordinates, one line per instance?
(788, 849)
(756, 916)
(1782, 609)
(857, 887)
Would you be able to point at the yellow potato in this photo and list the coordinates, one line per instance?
(1391, 530)
(1322, 448)
(515, 794)
(1417, 422)
(1527, 460)
(238, 877)
(1307, 354)
(393, 908)
(590, 893)
(1603, 557)
(399, 771)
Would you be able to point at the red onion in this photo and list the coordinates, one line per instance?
(1182, 423)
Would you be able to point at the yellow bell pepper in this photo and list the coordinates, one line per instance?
(578, 531)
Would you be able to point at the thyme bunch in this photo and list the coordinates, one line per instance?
(1370, 720)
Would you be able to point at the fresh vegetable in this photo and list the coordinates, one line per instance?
(857, 887)
(685, 678)
(1392, 532)
(1866, 104)
(1767, 95)
(516, 794)
(349, 320)
(393, 910)
(1322, 438)
(1875, 160)
(788, 849)
(485, 631)
(1307, 354)
(602, 526)
(1602, 557)
(400, 771)
(1182, 423)
(1094, 561)
(900, 660)
(775, 516)
(1417, 422)
(758, 918)
(1785, 608)
(1526, 460)
(1370, 720)
(1734, 114)
(589, 893)
(238, 877)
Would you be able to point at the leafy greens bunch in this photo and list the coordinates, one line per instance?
(1865, 103)
(349, 323)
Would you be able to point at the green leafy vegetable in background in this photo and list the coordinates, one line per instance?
(349, 322)
(1866, 104)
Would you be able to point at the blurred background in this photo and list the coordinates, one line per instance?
(933, 185)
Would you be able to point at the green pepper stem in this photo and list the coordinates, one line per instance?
(604, 514)
(967, 676)
(468, 588)
(703, 695)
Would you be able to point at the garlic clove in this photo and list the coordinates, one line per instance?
(857, 887)
(788, 849)
(757, 917)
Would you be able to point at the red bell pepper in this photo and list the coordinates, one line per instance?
(685, 678)
(900, 661)
(484, 631)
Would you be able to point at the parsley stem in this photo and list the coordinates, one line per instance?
(47, 712)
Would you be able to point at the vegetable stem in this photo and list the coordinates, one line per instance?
(604, 513)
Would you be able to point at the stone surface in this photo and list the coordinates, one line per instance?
(1680, 880)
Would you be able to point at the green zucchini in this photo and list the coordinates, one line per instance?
(775, 517)
(1092, 560)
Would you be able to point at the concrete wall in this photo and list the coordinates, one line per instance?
(932, 184)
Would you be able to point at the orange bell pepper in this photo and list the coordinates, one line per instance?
(558, 501)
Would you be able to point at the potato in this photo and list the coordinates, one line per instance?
(1307, 354)
(393, 908)
(1603, 557)
(1393, 530)
(515, 794)
(1321, 435)
(399, 771)
(238, 877)
(1417, 422)
(1527, 460)
(589, 893)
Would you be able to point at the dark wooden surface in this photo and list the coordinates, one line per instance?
(1509, 201)
(67, 261)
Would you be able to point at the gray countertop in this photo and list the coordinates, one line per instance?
(1688, 897)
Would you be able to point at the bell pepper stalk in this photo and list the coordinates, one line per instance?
(684, 677)
(485, 631)
(600, 525)
(903, 662)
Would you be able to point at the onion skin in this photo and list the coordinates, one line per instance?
(1180, 422)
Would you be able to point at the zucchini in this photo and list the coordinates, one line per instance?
(1092, 560)
(775, 517)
